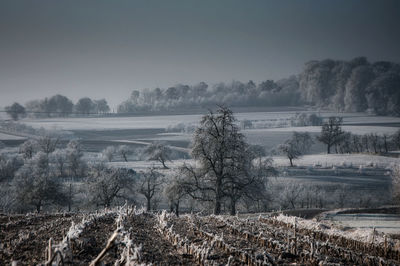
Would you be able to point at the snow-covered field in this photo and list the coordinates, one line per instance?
(316, 129)
(4, 136)
(148, 122)
(341, 160)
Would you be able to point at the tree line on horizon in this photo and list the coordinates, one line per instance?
(57, 106)
(356, 85)
(351, 86)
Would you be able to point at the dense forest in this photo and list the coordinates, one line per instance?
(355, 85)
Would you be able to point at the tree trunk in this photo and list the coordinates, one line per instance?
(329, 148)
(291, 162)
(38, 206)
(233, 207)
(386, 146)
(126, 160)
(177, 209)
(163, 164)
(217, 207)
(148, 204)
(70, 197)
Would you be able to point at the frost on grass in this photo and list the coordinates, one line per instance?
(358, 234)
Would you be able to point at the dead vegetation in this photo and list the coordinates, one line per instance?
(127, 236)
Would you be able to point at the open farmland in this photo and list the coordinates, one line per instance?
(269, 128)
(127, 235)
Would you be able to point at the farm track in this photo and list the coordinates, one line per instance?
(25, 239)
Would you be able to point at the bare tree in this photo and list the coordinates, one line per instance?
(374, 140)
(107, 184)
(150, 184)
(385, 139)
(124, 151)
(59, 158)
(396, 139)
(158, 151)
(396, 183)
(342, 193)
(331, 132)
(16, 111)
(299, 144)
(36, 186)
(47, 144)
(84, 106)
(365, 142)
(246, 124)
(291, 195)
(101, 106)
(174, 192)
(356, 144)
(9, 165)
(109, 152)
(28, 148)
(225, 165)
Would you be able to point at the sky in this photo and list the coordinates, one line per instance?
(107, 48)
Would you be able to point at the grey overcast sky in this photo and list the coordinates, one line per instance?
(107, 48)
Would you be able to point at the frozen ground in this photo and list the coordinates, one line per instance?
(148, 122)
(387, 223)
(354, 160)
(323, 160)
(4, 136)
(317, 129)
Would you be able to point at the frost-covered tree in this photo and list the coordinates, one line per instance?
(28, 148)
(108, 184)
(124, 151)
(354, 98)
(36, 186)
(16, 111)
(108, 153)
(84, 106)
(299, 144)
(396, 139)
(76, 165)
(246, 124)
(396, 183)
(290, 196)
(9, 165)
(59, 159)
(150, 182)
(158, 151)
(331, 132)
(383, 94)
(225, 166)
(59, 105)
(101, 106)
(174, 191)
(47, 144)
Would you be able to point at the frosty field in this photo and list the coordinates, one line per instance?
(128, 236)
(387, 223)
(275, 127)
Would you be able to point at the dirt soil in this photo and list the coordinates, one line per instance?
(164, 239)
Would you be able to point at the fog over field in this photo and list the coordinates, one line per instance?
(199, 132)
